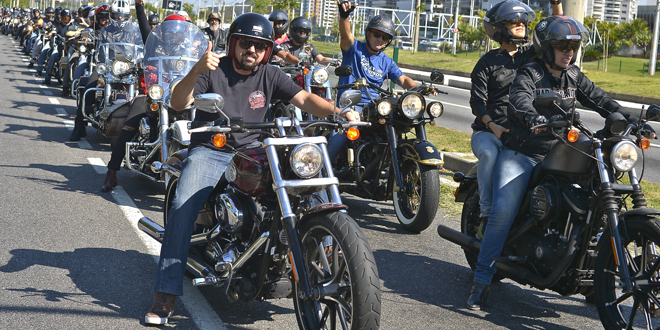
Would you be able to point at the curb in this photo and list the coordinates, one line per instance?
(459, 162)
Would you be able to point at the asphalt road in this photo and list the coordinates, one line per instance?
(70, 256)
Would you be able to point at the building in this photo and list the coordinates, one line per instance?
(647, 13)
(612, 10)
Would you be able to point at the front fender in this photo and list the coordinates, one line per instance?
(423, 152)
(322, 208)
(641, 212)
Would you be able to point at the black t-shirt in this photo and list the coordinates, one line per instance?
(246, 97)
(295, 50)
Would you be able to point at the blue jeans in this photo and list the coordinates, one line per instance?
(485, 147)
(51, 61)
(201, 172)
(337, 142)
(28, 47)
(42, 58)
(510, 178)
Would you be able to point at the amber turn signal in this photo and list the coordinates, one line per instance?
(306, 71)
(154, 106)
(572, 135)
(644, 143)
(353, 133)
(219, 140)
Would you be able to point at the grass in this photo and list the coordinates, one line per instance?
(629, 81)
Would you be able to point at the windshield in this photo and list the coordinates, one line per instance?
(120, 37)
(172, 49)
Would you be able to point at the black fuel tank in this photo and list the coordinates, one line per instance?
(563, 158)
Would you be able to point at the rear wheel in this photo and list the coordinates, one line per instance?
(470, 221)
(342, 272)
(640, 308)
(416, 208)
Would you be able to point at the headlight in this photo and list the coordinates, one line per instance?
(412, 105)
(15, 20)
(624, 156)
(82, 48)
(156, 92)
(120, 67)
(29, 28)
(100, 68)
(320, 76)
(384, 108)
(435, 109)
(306, 160)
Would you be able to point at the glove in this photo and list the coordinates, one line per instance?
(342, 13)
(534, 119)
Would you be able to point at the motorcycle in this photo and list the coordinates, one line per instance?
(83, 46)
(119, 70)
(265, 233)
(573, 233)
(165, 67)
(392, 159)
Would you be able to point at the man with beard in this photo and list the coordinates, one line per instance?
(213, 33)
(247, 83)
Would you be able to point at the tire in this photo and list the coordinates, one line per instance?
(470, 221)
(354, 270)
(642, 247)
(416, 210)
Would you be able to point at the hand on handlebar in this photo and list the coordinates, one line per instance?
(352, 115)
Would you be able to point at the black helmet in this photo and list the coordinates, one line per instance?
(383, 24)
(557, 28)
(253, 26)
(507, 11)
(154, 19)
(279, 16)
(57, 12)
(50, 10)
(85, 11)
(65, 12)
(298, 25)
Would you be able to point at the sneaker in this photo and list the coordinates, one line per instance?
(78, 133)
(30, 66)
(161, 310)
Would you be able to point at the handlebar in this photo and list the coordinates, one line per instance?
(237, 125)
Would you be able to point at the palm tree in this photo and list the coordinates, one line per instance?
(606, 29)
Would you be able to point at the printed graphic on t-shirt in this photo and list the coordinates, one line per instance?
(257, 100)
(371, 70)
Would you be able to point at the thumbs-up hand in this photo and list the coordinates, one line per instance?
(209, 61)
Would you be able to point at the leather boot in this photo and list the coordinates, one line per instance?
(161, 310)
(478, 296)
(78, 133)
(66, 91)
(110, 181)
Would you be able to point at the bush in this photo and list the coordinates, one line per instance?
(593, 52)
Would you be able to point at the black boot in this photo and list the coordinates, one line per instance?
(78, 133)
(478, 296)
(66, 91)
(31, 65)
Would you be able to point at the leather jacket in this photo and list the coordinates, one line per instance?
(217, 38)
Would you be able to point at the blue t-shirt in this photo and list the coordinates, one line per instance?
(375, 68)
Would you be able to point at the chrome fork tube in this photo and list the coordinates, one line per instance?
(164, 126)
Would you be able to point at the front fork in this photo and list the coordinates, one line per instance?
(393, 137)
(611, 209)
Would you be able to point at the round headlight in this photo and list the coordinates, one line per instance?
(306, 160)
(412, 105)
(435, 109)
(120, 67)
(29, 28)
(384, 108)
(320, 76)
(624, 156)
(156, 92)
(82, 48)
(100, 68)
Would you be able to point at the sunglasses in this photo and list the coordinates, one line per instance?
(301, 31)
(247, 43)
(517, 20)
(385, 37)
(214, 20)
(564, 45)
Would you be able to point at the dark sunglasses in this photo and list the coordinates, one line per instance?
(517, 20)
(301, 31)
(564, 45)
(247, 43)
(212, 20)
(385, 37)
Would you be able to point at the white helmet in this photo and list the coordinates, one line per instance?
(120, 9)
(184, 14)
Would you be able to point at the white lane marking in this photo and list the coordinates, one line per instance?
(49, 93)
(44, 86)
(98, 164)
(52, 99)
(83, 144)
(203, 315)
(61, 112)
(69, 124)
(26, 59)
(32, 70)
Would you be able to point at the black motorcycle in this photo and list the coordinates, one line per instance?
(574, 232)
(393, 159)
(266, 232)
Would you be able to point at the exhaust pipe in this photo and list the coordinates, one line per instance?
(151, 228)
(459, 238)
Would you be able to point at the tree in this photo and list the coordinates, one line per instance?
(644, 40)
(190, 9)
(261, 6)
(606, 28)
(288, 6)
(469, 34)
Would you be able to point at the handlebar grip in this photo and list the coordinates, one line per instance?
(344, 86)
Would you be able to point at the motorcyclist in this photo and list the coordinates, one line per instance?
(281, 24)
(49, 31)
(367, 60)
(146, 24)
(300, 30)
(61, 29)
(557, 39)
(38, 46)
(153, 20)
(240, 76)
(214, 33)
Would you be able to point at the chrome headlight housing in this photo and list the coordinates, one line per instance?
(100, 68)
(384, 108)
(320, 76)
(435, 109)
(82, 48)
(306, 160)
(120, 67)
(29, 28)
(412, 104)
(624, 156)
(156, 92)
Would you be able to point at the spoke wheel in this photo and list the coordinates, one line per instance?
(640, 308)
(343, 275)
(416, 208)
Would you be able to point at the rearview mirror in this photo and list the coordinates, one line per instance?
(653, 113)
(437, 76)
(547, 99)
(350, 98)
(209, 102)
(344, 71)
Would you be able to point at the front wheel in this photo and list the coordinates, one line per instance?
(342, 272)
(640, 308)
(416, 208)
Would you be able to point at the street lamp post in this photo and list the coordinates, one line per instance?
(654, 48)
